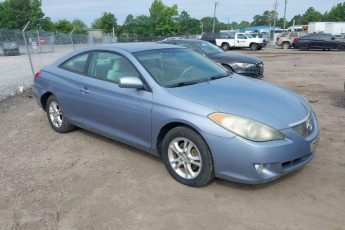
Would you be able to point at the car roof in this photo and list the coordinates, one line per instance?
(137, 47)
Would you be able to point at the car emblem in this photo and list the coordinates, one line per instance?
(308, 126)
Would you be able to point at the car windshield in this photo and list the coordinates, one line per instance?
(179, 67)
(207, 47)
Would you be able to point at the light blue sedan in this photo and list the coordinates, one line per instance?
(203, 121)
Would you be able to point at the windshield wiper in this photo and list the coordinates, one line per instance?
(218, 76)
(183, 84)
(199, 81)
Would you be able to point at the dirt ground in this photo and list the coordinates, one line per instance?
(81, 180)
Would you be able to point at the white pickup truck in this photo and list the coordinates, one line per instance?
(240, 40)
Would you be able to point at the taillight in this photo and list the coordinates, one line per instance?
(295, 40)
(37, 74)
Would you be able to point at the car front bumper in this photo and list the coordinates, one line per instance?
(240, 160)
(256, 71)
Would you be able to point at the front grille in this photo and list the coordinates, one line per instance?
(305, 128)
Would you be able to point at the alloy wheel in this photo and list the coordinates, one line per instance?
(55, 114)
(184, 158)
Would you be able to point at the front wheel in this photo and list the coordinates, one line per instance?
(254, 46)
(304, 47)
(56, 117)
(187, 157)
(341, 47)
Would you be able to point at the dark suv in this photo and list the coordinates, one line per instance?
(10, 48)
(319, 41)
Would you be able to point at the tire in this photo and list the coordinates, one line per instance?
(193, 167)
(225, 46)
(304, 47)
(253, 46)
(286, 45)
(341, 47)
(56, 116)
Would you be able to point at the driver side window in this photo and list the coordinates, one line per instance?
(111, 67)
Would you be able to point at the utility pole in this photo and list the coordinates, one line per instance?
(214, 16)
(285, 14)
(275, 17)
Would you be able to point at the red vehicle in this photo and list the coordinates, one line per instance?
(42, 41)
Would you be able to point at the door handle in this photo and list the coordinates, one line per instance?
(85, 90)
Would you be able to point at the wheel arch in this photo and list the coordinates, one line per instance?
(44, 99)
(171, 125)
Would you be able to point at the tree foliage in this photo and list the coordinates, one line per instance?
(106, 22)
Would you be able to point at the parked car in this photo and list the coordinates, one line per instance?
(179, 105)
(238, 63)
(319, 41)
(240, 40)
(285, 39)
(10, 48)
(210, 37)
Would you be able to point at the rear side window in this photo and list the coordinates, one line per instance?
(77, 63)
(294, 35)
(283, 35)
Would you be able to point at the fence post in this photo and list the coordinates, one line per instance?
(27, 48)
(70, 35)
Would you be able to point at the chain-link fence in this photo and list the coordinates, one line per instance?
(44, 48)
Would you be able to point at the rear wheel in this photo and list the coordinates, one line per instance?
(254, 46)
(187, 157)
(341, 47)
(286, 45)
(225, 46)
(56, 116)
(304, 47)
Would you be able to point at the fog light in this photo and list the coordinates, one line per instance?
(259, 168)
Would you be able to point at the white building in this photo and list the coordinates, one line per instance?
(334, 28)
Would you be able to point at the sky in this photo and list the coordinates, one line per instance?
(234, 10)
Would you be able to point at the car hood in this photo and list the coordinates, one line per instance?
(247, 97)
(234, 57)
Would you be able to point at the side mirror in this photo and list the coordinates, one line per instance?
(130, 82)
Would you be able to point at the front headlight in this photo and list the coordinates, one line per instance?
(246, 128)
(242, 65)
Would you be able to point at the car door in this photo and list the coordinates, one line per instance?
(241, 40)
(67, 85)
(327, 41)
(105, 108)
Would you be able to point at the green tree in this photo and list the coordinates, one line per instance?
(106, 22)
(266, 18)
(79, 26)
(187, 25)
(207, 23)
(163, 19)
(36, 14)
(312, 15)
(244, 24)
(64, 26)
(47, 24)
(336, 14)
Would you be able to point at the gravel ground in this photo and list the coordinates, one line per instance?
(81, 180)
(16, 71)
